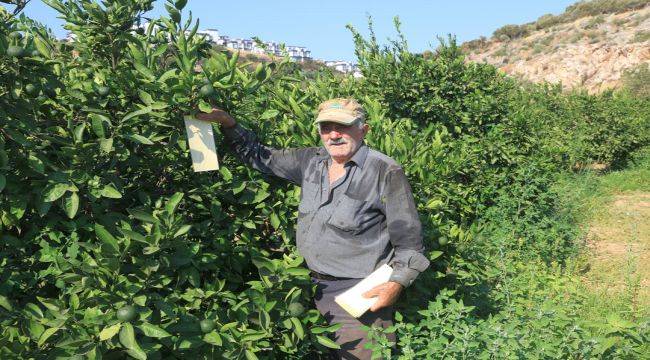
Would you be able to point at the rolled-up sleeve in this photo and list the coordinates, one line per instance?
(284, 163)
(404, 229)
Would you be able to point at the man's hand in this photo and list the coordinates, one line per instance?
(217, 116)
(387, 294)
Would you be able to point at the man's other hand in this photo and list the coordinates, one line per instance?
(217, 116)
(387, 294)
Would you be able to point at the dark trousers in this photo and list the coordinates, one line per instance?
(350, 336)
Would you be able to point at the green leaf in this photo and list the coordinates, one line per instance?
(137, 353)
(250, 355)
(79, 132)
(144, 71)
(173, 202)
(322, 329)
(133, 114)
(109, 332)
(35, 329)
(204, 106)
(398, 316)
(139, 139)
(213, 338)
(110, 192)
(434, 204)
(159, 51)
(167, 75)
(46, 335)
(269, 114)
(71, 205)
(54, 191)
(227, 175)
(297, 328)
(33, 310)
(275, 220)
(3, 182)
(254, 336)
(150, 250)
(133, 235)
(153, 331)
(106, 145)
(142, 215)
(127, 336)
(36, 163)
(298, 271)
(4, 302)
(183, 230)
(107, 238)
(145, 97)
(97, 124)
(42, 46)
(180, 4)
(327, 342)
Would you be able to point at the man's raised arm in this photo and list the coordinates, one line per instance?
(284, 163)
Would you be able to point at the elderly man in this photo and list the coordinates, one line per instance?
(356, 213)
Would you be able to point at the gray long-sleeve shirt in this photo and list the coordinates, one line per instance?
(365, 219)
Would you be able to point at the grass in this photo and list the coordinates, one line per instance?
(641, 36)
(613, 211)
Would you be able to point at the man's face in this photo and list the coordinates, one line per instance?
(341, 141)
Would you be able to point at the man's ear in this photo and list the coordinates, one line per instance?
(365, 128)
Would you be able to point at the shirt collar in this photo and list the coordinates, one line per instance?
(359, 157)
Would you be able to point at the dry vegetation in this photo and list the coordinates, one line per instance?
(590, 45)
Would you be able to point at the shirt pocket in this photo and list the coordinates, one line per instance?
(353, 216)
(308, 200)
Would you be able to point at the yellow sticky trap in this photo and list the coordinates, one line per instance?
(200, 138)
(353, 301)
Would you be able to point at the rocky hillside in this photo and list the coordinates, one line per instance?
(590, 48)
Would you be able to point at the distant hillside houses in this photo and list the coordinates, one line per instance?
(297, 53)
(344, 67)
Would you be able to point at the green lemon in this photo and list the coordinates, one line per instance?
(442, 241)
(126, 313)
(31, 89)
(35, 53)
(296, 309)
(206, 90)
(15, 51)
(207, 325)
(16, 35)
(103, 90)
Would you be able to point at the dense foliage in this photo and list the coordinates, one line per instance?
(111, 245)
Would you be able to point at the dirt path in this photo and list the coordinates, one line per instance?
(619, 243)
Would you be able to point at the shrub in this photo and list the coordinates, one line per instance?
(637, 79)
(111, 246)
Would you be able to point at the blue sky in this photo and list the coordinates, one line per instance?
(320, 25)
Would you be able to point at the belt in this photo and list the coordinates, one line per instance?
(320, 276)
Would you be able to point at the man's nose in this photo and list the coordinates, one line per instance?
(335, 134)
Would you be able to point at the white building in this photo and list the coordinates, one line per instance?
(297, 53)
(211, 35)
(344, 67)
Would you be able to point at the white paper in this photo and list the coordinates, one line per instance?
(200, 138)
(353, 301)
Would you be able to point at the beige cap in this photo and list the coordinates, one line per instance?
(340, 110)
